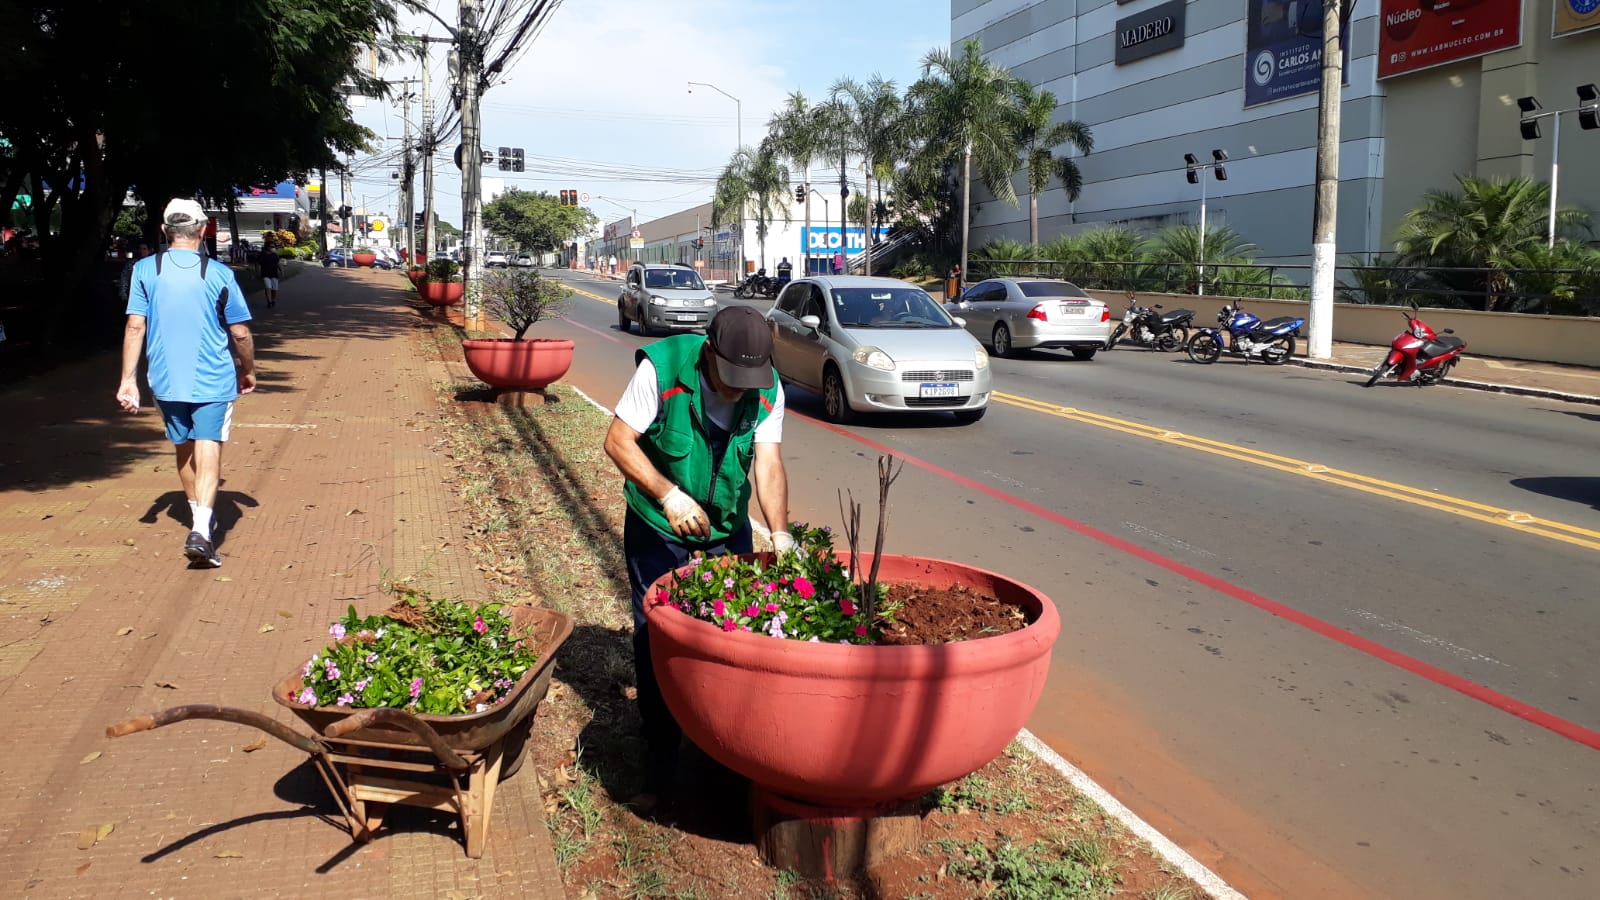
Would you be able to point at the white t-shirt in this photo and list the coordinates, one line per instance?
(641, 403)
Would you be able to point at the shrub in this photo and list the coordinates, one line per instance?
(443, 269)
(522, 298)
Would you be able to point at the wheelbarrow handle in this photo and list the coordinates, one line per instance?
(399, 718)
(250, 717)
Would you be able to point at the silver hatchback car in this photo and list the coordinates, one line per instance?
(1011, 314)
(877, 344)
(664, 297)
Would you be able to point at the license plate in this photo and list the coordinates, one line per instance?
(945, 389)
(1067, 310)
(688, 318)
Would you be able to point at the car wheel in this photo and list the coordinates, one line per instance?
(1002, 341)
(835, 404)
(968, 416)
(624, 324)
(1083, 353)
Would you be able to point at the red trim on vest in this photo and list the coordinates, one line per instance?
(767, 404)
(674, 391)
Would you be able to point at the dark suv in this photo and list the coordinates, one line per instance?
(664, 297)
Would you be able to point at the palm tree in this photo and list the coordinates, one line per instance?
(1038, 137)
(965, 108)
(1180, 246)
(1484, 226)
(836, 135)
(875, 111)
(754, 178)
(793, 134)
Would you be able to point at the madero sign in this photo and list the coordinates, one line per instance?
(1153, 31)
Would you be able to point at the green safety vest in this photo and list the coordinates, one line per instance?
(678, 442)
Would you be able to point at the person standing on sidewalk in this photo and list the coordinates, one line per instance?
(185, 313)
(699, 423)
(270, 265)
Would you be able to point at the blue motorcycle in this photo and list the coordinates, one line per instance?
(1244, 335)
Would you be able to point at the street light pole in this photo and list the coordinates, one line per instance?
(1588, 110)
(1194, 171)
(738, 125)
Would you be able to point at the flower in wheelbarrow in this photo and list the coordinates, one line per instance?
(479, 626)
(337, 631)
(345, 699)
(416, 688)
(307, 697)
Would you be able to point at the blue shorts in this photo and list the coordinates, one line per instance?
(197, 421)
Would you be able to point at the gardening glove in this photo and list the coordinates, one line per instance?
(684, 515)
(782, 543)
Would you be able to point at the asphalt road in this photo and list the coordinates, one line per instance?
(1335, 642)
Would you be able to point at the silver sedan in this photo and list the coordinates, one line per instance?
(1011, 314)
(877, 344)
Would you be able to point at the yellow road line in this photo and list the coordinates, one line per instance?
(577, 290)
(1493, 515)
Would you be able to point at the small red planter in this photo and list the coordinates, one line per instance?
(365, 259)
(518, 365)
(441, 293)
(850, 726)
(415, 276)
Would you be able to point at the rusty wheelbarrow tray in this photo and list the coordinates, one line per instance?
(370, 758)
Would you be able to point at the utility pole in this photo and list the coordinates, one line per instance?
(1325, 220)
(471, 160)
(428, 237)
(407, 172)
(322, 217)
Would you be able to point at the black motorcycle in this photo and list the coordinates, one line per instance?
(757, 285)
(1148, 326)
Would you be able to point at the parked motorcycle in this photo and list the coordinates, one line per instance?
(1418, 354)
(1148, 326)
(1245, 335)
(757, 285)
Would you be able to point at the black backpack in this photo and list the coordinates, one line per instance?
(205, 262)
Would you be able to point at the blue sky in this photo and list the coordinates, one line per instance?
(605, 88)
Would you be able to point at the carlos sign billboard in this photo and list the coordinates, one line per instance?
(1420, 34)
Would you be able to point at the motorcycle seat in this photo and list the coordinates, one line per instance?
(1176, 315)
(1277, 323)
(1439, 347)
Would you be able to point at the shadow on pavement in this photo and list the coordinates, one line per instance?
(1575, 488)
(229, 510)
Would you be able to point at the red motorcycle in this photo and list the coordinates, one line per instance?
(1418, 354)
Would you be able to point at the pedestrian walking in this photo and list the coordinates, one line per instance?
(184, 313)
(126, 282)
(838, 264)
(613, 262)
(698, 426)
(270, 265)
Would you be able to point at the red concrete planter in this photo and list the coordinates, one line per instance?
(415, 276)
(851, 726)
(518, 365)
(364, 259)
(441, 293)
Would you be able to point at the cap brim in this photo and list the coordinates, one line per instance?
(751, 378)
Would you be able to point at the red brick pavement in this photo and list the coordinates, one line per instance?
(333, 478)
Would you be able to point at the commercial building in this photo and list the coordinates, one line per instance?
(1431, 92)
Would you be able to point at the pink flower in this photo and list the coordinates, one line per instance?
(479, 626)
(846, 607)
(333, 671)
(308, 697)
(729, 625)
(718, 608)
(752, 611)
(416, 688)
(804, 588)
(663, 595)
(861, 631)
(344, 700)
(771, 607)
(337, 631)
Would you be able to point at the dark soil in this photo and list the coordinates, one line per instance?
(946, 615)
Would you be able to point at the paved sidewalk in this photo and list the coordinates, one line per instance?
(334, 478)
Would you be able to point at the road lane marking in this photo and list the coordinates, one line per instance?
(577, 290)
(1488, 696)
(1481, 512)
(1423, 637)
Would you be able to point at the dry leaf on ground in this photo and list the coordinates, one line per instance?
(90, 758)
(256, 744)
(124, 632)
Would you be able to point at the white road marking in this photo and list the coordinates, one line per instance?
(1166, 539)
(1209, 881)
(1003, 479)
(1422, 637)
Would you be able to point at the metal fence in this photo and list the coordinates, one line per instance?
(1553, 291)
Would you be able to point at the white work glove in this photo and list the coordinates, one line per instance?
(684, 515)
(782, 543)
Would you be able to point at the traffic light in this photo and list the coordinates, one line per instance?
(344, 212)
(566, 198)
(699, 243)
(505, 159)
(1191, 173)
(1588, 107)
(422, 220)
(516, 161)
(1218, 169)
(799, 193)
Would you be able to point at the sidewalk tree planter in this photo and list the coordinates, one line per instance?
(364, 256)
(416, 274)
(832, 730)
(376, 756)
(521, 298)
(442, 286)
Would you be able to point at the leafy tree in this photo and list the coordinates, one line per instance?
(875, 116)
(794, 134)
(535, 220)
(1489, 224)
(1179, 251)
(522, 298)
(753, 179)
(1038, 135)
(964, 108)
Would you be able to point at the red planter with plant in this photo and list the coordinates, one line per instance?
(365, 258)
(521, 298)
(442, 286)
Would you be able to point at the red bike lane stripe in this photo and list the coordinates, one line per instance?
(1548, 721)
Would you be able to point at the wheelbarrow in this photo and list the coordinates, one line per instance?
(372, 758)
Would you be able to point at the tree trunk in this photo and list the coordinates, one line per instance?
(866, 249)
(805, 236)
(966, 214)
(1033, 219)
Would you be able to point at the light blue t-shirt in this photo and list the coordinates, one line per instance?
(187, 345)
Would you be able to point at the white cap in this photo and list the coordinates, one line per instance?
(183, 211)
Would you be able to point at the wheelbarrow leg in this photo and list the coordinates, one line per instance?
(479, 800)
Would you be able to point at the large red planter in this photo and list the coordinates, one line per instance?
(365, 259)
(518, 365)
(849, 726)
(441, 293)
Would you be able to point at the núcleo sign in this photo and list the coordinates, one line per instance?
(1153, 31)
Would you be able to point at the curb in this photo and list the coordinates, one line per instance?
(1543, 393)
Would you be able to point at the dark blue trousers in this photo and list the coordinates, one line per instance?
(650, 555)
